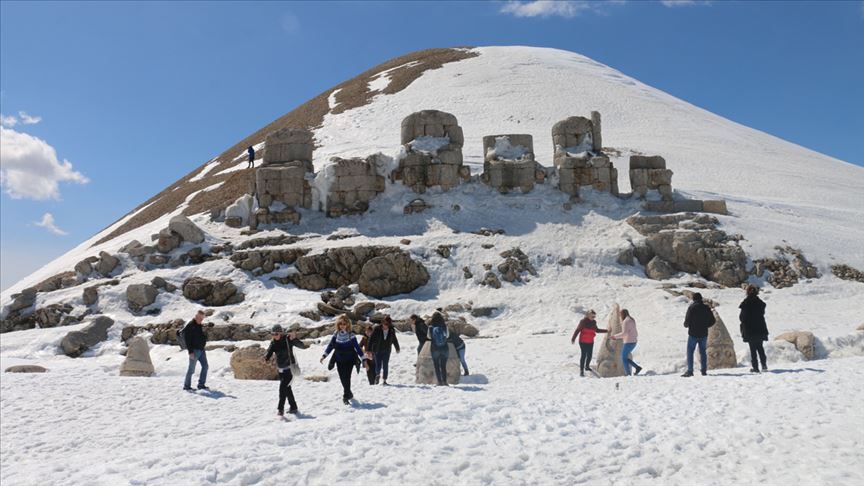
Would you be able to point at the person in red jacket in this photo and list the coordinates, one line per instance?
(586, 330)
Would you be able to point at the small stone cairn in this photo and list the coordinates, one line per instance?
(433, 143)
(579, 157)
(509, 163)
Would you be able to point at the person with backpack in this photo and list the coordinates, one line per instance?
(381, 343)
(586, 330)
(754, 330)
(251, 152)
(368, 357)
(438, 336)
(420, 330)
(195, 340)
(697, 321)
(346, 353)
(283, 347)
(629, 336)
(459, 345)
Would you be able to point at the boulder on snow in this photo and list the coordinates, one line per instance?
(392, 274)
(609, 355)
(425, 371)
(139, 296)
(721, 349)
(90, 295)
(26, 369)
(659, 269)
(76, 342)
(137, 362)
(106, 264)
(212, 292)
(23, 300)
(167, 241)
(804, 341)
(248, 364)
(187, 230)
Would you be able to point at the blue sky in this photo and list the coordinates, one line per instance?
(111, 102)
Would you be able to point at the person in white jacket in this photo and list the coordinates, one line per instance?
(628, 335)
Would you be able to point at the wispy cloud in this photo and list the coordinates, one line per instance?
(289, 23)
(8, 121)
(29, 168)
(27, 119)
(48, 223)
(684, 3)
(552, 8)
(23, 117)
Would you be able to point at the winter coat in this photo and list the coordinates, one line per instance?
(628, 333)
(251, 152)
(752, 319)
(380, 344)
(194, 335)
(345, 348)
(586, 330)
(283, 348)
(429, 334)
(421, 330)
(698, 319)
(457, 341)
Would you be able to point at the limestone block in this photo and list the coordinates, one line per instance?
(804, 341)
(659, 177)
(609, 355)
(415, 159)
(450, 157)
(647, 162)
(721, 349)
(599, 161)
(248, 364)
(570, 163)
(596, 138)
(454, 132)
(717, 207)
(522, 139)
(572, 125)
(433, 130)
(137, 362)
(638, 178)
(425, 371)
(288, 144)
(665, 191)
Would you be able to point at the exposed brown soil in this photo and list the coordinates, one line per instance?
(353, 93)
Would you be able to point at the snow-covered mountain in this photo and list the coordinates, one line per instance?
(777, 193)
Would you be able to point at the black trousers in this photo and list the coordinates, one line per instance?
(285, 390)
(439, 360)
(585, 357)
(757, 349)
(370, 371)
(344, 370)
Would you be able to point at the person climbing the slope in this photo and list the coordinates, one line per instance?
(697, 321)
(629, 336)
(346, 353)
(283, 347)
(251, 152)
(754, 330)
(368, 356)
(438, 336)
(420, 330)
(586, 330)
(381, 343)
(459, 344)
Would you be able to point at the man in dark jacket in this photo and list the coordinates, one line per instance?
(381, 343)
(195, 342)
(420, 329)
(699, 318)
(754, 330)
(251, 152)
(283, 347)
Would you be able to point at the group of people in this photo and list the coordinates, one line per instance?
(698, 320)
(372, 352)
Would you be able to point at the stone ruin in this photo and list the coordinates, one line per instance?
(433, 144)
(354, 183)
(650, 173)
(609, 363)
(280, 183)
(579, 158)
(509, 163)
(720, 349)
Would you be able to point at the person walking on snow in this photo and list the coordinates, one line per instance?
(283, 347)
(368, 357)
(586, 330)
(459, 344)
(381, 343)
(697, 321)
(420, 330)
(438, 336)
(196, 340)
(629, 336)
(753, 327)
(346, 352)
(251, 152)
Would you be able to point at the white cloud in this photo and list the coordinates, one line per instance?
(289, 22)
(549, 8)
(48, 223)
(8, 121)
(29, 119)
(29, 167)
(684, 3)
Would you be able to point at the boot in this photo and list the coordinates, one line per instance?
(754, 370)
(687, 374)
(638, 369)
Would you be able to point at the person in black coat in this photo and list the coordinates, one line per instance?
(282, 346)
(251, 152)
(699, 318)
(753, 328)
(196, 341)
(420, 330)
(381, 343)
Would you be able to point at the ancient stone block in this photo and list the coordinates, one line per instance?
(721, 349)
(647, 162)
(288, 144)
(597, 139)
(609, 355)
(137, 362)
(425, 371)
(717, 207)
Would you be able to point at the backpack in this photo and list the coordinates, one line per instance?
(439, 337)
(181, 337)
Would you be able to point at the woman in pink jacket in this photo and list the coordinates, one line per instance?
(628, 335)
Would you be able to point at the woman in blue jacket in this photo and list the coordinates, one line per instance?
(346, 354)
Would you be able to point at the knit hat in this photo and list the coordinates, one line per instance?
(276, 328)
(697, 297)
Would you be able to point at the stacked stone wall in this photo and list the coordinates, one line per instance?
(650, 173)
(420, 170)
(591, 167)
(355, 184)
(506, 174)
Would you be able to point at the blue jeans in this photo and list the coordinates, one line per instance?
(382, 362)
(625, 351)
(461, 353)
(703, 355)
(197, 355)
